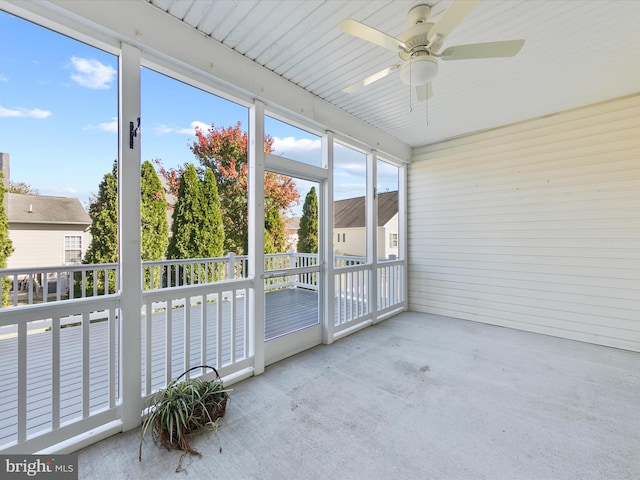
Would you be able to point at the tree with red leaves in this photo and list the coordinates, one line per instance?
(225, 150)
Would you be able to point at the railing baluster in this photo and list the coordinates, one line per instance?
(232, 315)
(187, 333)
(86, 324)
(113, 378)
(55, 373)
(15, 289)
(218, 330)
(30, 287)
(203, 330)
(168, 341)
(148, 336)
(22, 382)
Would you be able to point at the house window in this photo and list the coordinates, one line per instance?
(393, 239)
(72, 249)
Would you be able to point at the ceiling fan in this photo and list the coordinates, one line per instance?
(419, 46)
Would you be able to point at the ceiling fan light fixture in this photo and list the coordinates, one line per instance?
(419, 70)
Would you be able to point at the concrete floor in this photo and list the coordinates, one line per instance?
(416, 397)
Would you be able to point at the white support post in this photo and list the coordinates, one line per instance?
(403, 231)
(129, 241)
(256, 235)
(326, 243)
(371, 206)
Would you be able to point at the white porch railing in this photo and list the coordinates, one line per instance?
(355, 301)
(284, 261)
(29, 286)
(194, 325)
(59, 371)
(352, 302)
(59, 338)
(390, 286)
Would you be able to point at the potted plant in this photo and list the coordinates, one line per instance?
(183, 408)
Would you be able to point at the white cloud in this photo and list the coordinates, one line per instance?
(111, 126)
(291, 144)
(91, 73)
(3, 78)
(348, 169)
(192, 130)
(161, 129)
(23, 112)
(59, 191)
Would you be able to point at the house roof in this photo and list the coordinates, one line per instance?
(350, 213)
(46, 209)
(292, 224)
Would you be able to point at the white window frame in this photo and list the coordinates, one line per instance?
(393, 240)
(66, 248)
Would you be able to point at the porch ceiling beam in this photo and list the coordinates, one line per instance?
(152, 30)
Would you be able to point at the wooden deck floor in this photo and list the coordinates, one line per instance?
(285, 311)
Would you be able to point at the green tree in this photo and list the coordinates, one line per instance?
(186, 217)
(104, 232)
(308, 231)
(103, 211)
(274, 231)
(22, 188)
(224, 150)
(153, 219)
(6, 246)
(212, 230)
(197, 229)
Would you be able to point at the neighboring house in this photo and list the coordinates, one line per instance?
(291, 227)
(46, 231)
(349, 226)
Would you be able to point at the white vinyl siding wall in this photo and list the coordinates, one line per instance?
(41, 245)
(534, 226)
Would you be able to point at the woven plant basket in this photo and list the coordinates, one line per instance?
(183, 408)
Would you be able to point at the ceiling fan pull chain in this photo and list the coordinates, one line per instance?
(427, 110)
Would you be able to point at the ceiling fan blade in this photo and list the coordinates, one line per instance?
(424, 91)
(371, 78)
(507, 48)
(450, 18)
(372, 35)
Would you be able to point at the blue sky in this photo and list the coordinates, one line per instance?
(58, 117)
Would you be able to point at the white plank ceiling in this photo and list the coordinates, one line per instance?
(577, 52)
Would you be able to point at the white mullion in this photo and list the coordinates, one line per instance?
(129, 279)
(256, 160)
(372, 229)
